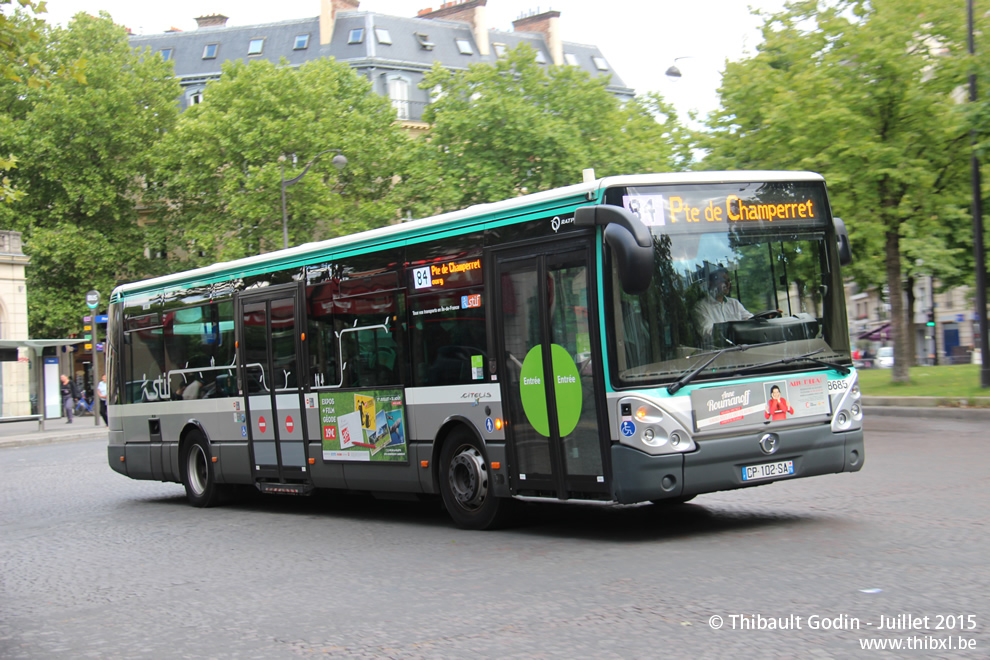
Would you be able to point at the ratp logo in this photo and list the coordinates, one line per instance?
(557, 222)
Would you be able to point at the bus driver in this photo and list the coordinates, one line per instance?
(718, 306)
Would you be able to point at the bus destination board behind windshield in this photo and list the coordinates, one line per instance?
(728, 207)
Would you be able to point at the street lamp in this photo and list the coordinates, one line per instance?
(339, 161)
(672, 71)
(978, 253)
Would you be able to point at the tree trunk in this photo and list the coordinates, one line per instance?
(898, 334)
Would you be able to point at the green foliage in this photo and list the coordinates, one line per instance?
(864, 94)
(83, 153)
(219, 174)
(21, 39)
(514, 127)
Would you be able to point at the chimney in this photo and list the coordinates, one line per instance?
(328, 16)
(547, 24)
(215, 20)
(472, 12)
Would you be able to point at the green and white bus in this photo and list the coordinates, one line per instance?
(556, 346)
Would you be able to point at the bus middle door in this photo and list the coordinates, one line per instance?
(269, 350)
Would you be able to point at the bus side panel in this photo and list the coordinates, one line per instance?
(234, 462)
(429, 409)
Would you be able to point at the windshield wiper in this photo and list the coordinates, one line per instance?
(689, 376)
(807, 356)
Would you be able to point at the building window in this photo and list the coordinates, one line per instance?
(600, 63)
(210, 52)
(356, 36)
(464, 47)
(540, 57)
(166, 54)
(302, 41)
(196, 97)
(424, 41)
(383, 36)
(500, 49)
(398, 93)
(255, 46)
(571, 59)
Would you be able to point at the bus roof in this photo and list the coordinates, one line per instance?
(425, 228)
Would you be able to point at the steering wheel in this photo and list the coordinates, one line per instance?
(768, 314)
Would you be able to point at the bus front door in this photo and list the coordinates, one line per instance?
(269, 352)
(550, 382)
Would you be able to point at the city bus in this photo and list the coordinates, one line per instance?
(559, 346)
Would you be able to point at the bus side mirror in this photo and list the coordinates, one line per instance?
(842, 236)
(629, 239)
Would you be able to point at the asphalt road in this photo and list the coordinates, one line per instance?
(94, 565)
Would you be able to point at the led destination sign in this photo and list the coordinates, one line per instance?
(447, 274)
(711, 207)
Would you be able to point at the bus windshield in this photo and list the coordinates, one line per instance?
(744, 266)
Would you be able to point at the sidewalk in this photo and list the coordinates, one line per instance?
(22, 434)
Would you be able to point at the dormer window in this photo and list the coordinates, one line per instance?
(383, 36)
(540, 57)
(356, 36)
(210, 52)
(301, 43)
(464, 47)
(424, 41)
(571, 59)
(500, 49)
(255, 46)
(600, 63)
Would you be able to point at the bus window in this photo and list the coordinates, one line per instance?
(143, 357)
(448, 340)
(324, 362)
(369, 335)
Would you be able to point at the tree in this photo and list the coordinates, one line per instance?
(219, 174)
(20, 35)
(83, 150)
(863, 93)
(514, 127)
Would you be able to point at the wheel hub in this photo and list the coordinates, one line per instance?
(468, 478)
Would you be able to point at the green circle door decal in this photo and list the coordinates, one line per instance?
(567, 389)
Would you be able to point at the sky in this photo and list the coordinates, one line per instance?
(639, 38)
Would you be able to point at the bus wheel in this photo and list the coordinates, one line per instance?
(198, 476)
(465, 484)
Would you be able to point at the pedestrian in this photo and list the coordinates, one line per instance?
(69, 397)
(101, 392)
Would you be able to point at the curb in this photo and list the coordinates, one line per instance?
(42, 438)
(962, 414)
(928, 401)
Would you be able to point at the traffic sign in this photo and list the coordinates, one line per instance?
(92, 299)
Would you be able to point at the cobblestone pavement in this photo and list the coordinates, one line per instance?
(94, 565)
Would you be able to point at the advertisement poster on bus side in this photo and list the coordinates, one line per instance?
(748, 404)
(366, 426)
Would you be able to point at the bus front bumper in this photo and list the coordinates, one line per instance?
(719, 463)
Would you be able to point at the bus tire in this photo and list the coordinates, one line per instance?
(466, 483)
(198, 475)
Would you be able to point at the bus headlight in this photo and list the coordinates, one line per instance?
(842, 420)
(651, 438)
(645, 426)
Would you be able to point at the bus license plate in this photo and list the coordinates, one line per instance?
(768, 470)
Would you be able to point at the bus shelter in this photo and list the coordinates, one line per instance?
(46, 375)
